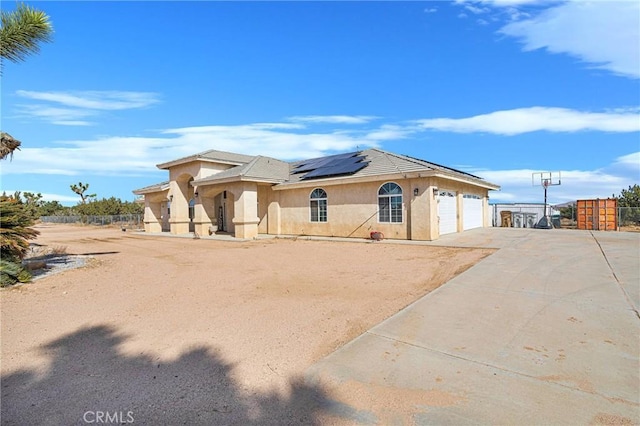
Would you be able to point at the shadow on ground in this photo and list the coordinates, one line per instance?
(88, 376)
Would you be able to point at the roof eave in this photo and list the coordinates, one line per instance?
(151, 190)
(195, 158)
(232, 179)
(476, 182)
(343, 180)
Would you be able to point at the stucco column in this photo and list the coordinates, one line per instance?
(179, 220)
(486, 212)
(152, 215)
(424, 212)
(246, 211)
(273, 223)
(459, 208)
(201, 219)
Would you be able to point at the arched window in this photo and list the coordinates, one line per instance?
(318, 205)
(390, 203)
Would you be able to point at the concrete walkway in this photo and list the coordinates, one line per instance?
(544, 331)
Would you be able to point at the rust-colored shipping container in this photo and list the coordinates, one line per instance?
(598, 215)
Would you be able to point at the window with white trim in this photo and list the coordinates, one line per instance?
(390, 203)
(318, 205)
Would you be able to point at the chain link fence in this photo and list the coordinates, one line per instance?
(629, 216)
(128, 220)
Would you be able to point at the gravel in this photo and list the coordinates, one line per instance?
(56, 263)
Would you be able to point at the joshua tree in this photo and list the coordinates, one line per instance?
(7, 145)
(80, 189)
(21, 32)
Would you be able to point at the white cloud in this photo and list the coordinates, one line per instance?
(506, 3)
(525, 120)
(517, 185)
(56, 115)
(476, 10)
(605, 34)
(388, 132)
(139, 155)
(430, 10)
(97, 100)
(70, 108)
(630, 160)
(336, 119)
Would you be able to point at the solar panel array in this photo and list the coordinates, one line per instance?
(333, 165)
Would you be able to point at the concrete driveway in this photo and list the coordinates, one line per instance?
(544, 331)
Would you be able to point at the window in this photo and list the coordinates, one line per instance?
(318, 205)
(390, 203)
(192, 211)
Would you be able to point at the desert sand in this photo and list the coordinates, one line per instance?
(196, 331)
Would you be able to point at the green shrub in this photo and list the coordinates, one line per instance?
(12, 273)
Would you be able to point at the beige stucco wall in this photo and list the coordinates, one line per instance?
(352, 211)
(197, 169)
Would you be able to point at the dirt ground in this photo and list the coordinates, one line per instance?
(193, 331)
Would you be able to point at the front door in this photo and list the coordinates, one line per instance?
(222, 216)
(192, 226)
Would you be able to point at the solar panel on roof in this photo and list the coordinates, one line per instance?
(311, 165)
(335, 170)
(316, 163)
(339, 166)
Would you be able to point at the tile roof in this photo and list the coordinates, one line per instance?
(156, 187)
(211, 155)
(267, 169)
(382, 163)
(261, 168)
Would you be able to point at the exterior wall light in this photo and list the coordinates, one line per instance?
(196, 194)
(416, 191)
(435, 192)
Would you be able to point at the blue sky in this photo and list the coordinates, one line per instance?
(498, 88)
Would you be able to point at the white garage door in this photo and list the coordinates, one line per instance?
(447, 212)
(472, 216)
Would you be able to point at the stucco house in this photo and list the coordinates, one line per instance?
(344, 195)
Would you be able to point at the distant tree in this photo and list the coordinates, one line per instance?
(629, 197)
(109, 206)
(52, 208)
(629, 204)
(32, 203)
(80, 189)
(568, 212)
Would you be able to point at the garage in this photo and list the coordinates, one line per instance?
(472, 211)
(447, 212)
